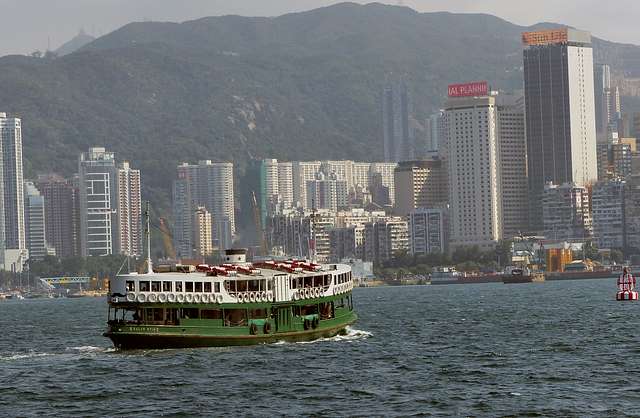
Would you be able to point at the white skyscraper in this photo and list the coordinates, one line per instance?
(12, 183)
(98, 203)
(473, 170)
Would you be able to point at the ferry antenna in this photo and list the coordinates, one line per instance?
(148, 234)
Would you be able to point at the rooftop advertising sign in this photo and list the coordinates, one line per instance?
(477, 88)
(545, 37)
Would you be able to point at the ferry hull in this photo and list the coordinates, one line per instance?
(170, 338)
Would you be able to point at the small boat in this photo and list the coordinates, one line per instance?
(515, 275)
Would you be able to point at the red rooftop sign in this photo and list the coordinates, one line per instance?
(477, 88)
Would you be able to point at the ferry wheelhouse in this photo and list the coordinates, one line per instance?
(236, 303)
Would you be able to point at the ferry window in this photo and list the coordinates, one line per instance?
(230, 286)
(211, 314)
(309, 310)
(158, 315)
(189, 313)
(253, 285)
(155, 286)
(188, 286)
(178, 286)
(216, 287)
(296, 311)
(269, 285)
(207, 287)
(235, 317)
(166, 286)
(144, 286)
(241, 285)
(257, 313)
(131, 286)
(294, 283)
(198, 286)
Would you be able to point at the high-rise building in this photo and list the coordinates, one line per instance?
(566, 212)
(62, 214)
(385, 239)
(428, 231)
(202, 232)
(327, 192)
(269, 182)
(559, 98)
(398, 136)
(35, 222)
(614, 157)
(208, 184)
(419, 184)
(129, 211)
(512, 145)
(435, 133)
(98, 203)
(607, 203)
(632, 214)
(387, 177)
(473, 163)
(303, 171)
(12, 182)
(285, 183)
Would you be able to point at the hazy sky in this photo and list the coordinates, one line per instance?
(28, 25)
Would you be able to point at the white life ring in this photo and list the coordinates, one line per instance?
(153, 298)
(264, 296)
(180, 297)
(171, 297)
(240, 297)
(219, 298)
(252, 297)
(271, 296)
(131, 297)
(307, 293)
(189, 297)
(196, 298)
(318, 292)
(162, 297)
(142, 298)
(205, 298)
(295, 296)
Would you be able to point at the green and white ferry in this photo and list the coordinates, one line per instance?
(236, 303)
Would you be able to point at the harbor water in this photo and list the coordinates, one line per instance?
(547, 349)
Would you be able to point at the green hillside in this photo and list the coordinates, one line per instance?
(299, 86)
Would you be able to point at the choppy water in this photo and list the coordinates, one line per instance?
(552, 349)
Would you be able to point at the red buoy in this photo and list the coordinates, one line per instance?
(626, 286)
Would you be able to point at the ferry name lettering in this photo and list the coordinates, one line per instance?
(143, 329)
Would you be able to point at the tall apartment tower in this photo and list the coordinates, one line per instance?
(560, 125)
(512, 146)
(35, 222)
(62, 212)
(210, 185)
(129, 211)
(398, 136)
(12, 182)
(97, 173)
(303, 171)
(607, 100)
(473, 166)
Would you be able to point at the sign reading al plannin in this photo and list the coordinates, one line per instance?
(473, 89)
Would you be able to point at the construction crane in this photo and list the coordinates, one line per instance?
(166, 239)
(257, 219)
